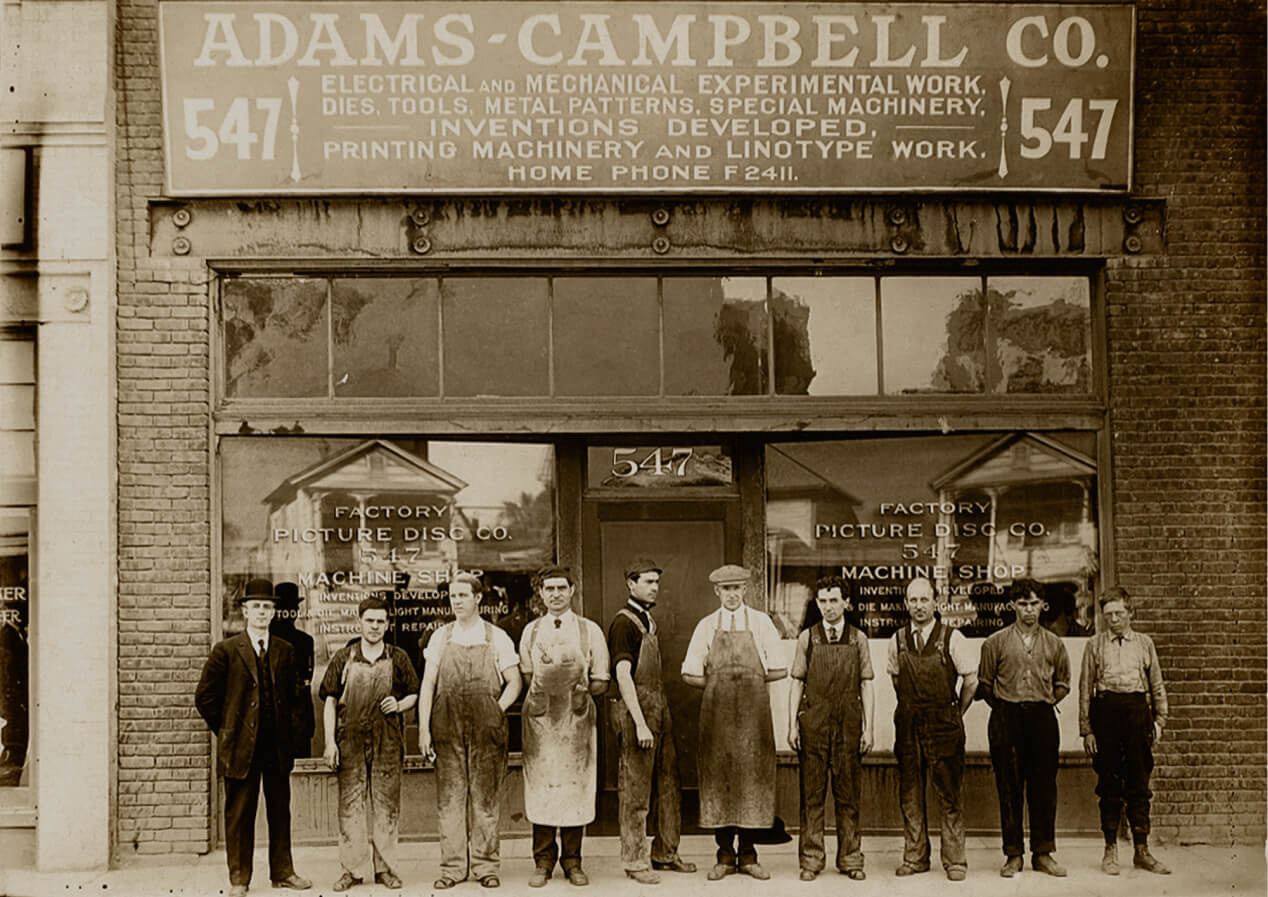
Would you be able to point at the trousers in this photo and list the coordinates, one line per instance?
(546, 850)
(242, 797)
(1024, 742)
(1124, 760)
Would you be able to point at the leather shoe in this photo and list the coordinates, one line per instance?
(345, 881)
(294, 882)
(1043, 862)
(1109, 861)
(237, 891)
(956, 874)
(720, 871)
(677, 864)
(854, 874)
(490, 881)
(755, 870)
(908, 869)
(388, 879)
(807, 875)
(1011, 867)
(577, 876)
(444, 883)
(643, 876)
(540, 877)
(1147, 861)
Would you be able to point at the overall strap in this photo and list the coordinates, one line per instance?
(634, 617)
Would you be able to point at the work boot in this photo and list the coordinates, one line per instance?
(1043, 862)
(643, 876)
(720, 871)
(1109, 862)
(1146, 860)
(754, 870)
(541, 875)
(1011, 867)
(677, 864)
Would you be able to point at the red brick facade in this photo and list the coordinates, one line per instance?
(1185, 334)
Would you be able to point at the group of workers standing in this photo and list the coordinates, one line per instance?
(253, 690)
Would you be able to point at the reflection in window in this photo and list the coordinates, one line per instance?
(384, 337)
(17, 497)
(606, 336)
(1042, 334)
(275, 337)
(933, 334)
(969, 512)
(715, 336)
(825, 335)
(343, 518)
(496, 334)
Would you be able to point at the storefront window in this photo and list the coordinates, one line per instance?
(385, 337)
(344, 518)
(17, 498)
(1042, 334)
(497, 334)
(715, 336)
(275, 337)
(933, 334)
(606, 336)
(971, 513)
(825, 335)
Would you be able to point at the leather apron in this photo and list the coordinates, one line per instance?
(737, 737)
(830, 700)
(648, 684)
(560, 741)
(928, 710)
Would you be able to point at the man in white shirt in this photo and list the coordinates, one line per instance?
(471, 677)
(733, 654)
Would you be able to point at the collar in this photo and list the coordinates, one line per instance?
(926, 630)
(644, 613)
(829, 628)
(1017, 629)
(727, 615)
(361, 653)
(256, 638)
(566, 617)
(1128, 636)
(476, 623)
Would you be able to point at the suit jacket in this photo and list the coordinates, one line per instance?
(228, 699)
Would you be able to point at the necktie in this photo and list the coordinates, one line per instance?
(834, 635)
(261, 654)
(558, 622)
(920, 641)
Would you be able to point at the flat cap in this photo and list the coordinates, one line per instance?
(730, 573)
(639, 566)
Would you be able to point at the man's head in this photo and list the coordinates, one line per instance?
(830, 595)
(1025, 597)
(373, 614)
(642, 580)
(1116, 608)
(464, 595)
(556, 585)
(258, 604)
(920, 602)
(730, 584)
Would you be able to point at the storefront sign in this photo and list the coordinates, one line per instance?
(427, 97)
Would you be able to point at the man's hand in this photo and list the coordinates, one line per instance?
(388, 705)
(331, 755)
(644, 735)
(1157, 733)
(794, 737)
(1089, 744)
(865, 742)
(424, 745)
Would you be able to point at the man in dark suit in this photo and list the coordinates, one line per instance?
(248, 696)
(286, 604)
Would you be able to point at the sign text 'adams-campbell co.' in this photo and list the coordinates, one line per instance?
(631, 97)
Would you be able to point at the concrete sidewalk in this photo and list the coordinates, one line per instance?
(1198, 871)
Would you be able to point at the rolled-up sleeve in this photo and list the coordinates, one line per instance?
(1060, 665)
(600, 662)
(800, 665)
(526, 656)
(697, 649)
(770, 640)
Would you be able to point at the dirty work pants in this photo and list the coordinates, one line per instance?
(1024, 742)
(915, 768)
(469, 770)
(1124, 729)
(369, 784)
(823, 754)
(647, 780)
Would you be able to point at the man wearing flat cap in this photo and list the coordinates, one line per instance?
(648, 763)
(248, 695)
(733, 654)
(286, 601)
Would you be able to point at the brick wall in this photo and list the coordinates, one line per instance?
(1186, 363)
(1186, 367)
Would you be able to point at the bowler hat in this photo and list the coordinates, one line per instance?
(257, 590)
(729, 573)
(639, 566)
(286, 596)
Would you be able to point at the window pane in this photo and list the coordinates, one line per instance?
(715, 336)
(495, 336)
(275, 337)
(385, 337)
(972, 513)
(15, 621)
(343, 518)
(1043, 334)
(825, 335)
(607, 336)
(933, 332)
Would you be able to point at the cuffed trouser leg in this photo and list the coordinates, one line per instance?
(545, 850)
(570, 841)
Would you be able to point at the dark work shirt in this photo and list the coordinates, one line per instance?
(404, 679)
(624, 638)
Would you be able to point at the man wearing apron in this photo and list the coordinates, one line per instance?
(368, 687)
(471, 675)
(565, 660)
(733, 654)
(644, 732)
(831, 705)
(925, 660)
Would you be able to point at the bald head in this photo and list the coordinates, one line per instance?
(920, 600)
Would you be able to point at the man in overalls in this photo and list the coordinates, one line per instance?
(734, 652)
(565, 660)
(471, 676)
(367, 688)
(926, 659)
(644, 732)
(831, 705)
